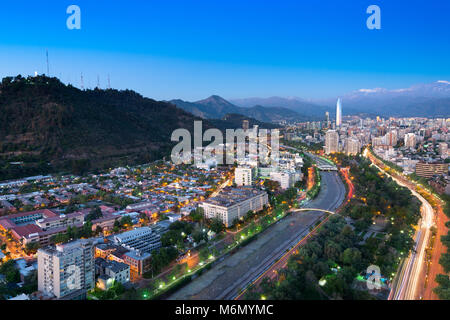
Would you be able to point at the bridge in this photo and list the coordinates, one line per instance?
(327, 167)
(313, 209)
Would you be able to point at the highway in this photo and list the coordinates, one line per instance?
(406, 285)
(229, 277)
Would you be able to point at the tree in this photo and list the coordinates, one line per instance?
(216, 225)
(31, 247)
(95, 213)
(204, 254)
(198, 235)
(443, 289)
(197, 215)
(445, 261)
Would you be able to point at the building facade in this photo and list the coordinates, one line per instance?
(66, 271)
(331, 142)
(234, 203)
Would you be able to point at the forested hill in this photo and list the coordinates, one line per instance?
(51, 127)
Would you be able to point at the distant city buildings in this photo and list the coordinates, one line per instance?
(245, 125)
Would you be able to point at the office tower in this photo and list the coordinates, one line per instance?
(327, 117)
(245, 125)
(391, 138)
(443, 149)
(352, 146)
(410, 140)
(331, 142)
(338, 113)
(243, 176)
(66, 271)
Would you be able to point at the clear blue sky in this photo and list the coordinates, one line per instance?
(191, 49)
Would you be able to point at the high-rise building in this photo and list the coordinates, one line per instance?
(66, 271)
(443, 149)
(338, 113)
(243, 176)
(391, 138)
(352, 146)
(327, 118)
(245, 125)
(410, 140)
(331, 142)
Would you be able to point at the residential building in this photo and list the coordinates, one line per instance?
(243, 176)
(352, 146)
(410, 140)
(427, 170)
(66, 271)
(142, 239)
(234, 203)
(331, 142)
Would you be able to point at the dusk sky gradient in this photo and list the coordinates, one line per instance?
(192, 49)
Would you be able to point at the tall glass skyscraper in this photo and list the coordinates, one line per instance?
(338, 113)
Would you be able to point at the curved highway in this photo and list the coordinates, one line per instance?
(406, 285)
(235, 272)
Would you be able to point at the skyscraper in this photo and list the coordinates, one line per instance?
(352, 146)
(338, 113)
(245, 125)
(66, 271)
(331, 142)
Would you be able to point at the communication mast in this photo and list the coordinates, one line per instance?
(82, 82)
(48, 66)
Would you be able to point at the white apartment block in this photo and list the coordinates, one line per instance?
(243, 176)
(352, 146)
(66, 271)
(286, 179)
(331, 142)
(139, 240)
(234, 203)
(443, 149)
(410, 140)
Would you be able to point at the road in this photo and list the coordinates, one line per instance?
(406, 285)
(228, 277)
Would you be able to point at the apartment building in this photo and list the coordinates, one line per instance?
(243, 176)
(66, 271)
(234, 203)
(427, 170)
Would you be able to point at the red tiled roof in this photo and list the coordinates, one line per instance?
(26, 230)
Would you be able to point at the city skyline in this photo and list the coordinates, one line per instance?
(160, 57)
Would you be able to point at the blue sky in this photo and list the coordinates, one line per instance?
(191, 49)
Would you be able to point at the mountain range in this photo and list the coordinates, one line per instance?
(422, 100)
(216, 107)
